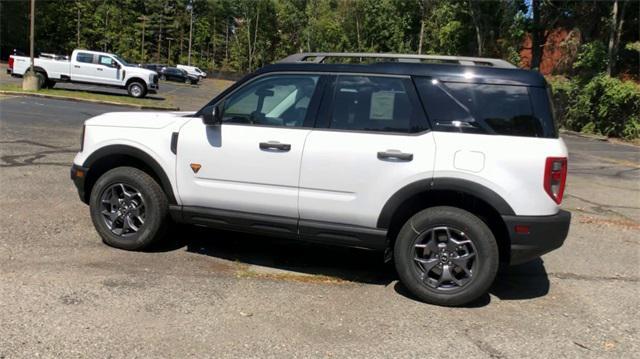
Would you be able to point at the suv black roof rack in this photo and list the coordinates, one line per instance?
(320, 57)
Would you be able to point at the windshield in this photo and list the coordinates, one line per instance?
(121, 60)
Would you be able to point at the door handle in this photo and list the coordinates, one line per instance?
(275, 145)
(99, 69)
(395, 155)
(76, 66)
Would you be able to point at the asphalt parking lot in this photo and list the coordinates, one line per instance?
(214, 294)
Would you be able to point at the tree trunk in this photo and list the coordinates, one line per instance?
(617, 18)
(476, 26)
(421, 36)
(255, 33)
(536, 36)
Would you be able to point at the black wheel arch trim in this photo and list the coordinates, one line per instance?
(446, 184)
(138, 154)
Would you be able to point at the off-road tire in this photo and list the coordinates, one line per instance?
(156, 205)
(411, 271)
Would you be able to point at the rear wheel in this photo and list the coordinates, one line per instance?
(446, 256)
(137, 89)
(128, 209)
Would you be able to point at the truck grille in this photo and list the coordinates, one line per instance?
(154, 79)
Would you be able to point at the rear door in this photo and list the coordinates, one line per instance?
(251, 163)
(83, 68)
(372, 140)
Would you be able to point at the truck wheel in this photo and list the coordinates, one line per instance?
(49, 84)
(446, 256)
(128, 209)
(137, 89)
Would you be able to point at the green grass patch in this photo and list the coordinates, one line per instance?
(124, 99)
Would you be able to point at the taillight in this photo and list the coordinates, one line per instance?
(555, 177)
(10, 62)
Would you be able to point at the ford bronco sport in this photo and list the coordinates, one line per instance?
(449, 165)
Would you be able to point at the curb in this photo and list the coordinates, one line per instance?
(140, 107)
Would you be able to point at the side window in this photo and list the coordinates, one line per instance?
(84, 57)
(480, 108)
(370, 103)
(106, 60)
(278, 100)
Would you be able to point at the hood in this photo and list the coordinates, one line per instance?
(140, 70)
(153, 120)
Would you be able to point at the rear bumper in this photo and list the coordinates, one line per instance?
(544, 234)
(78, 176)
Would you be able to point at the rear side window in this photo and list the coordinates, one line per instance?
(84, 57)
(480, 108)
(370, 103)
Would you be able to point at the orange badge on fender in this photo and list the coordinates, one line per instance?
(195, 167)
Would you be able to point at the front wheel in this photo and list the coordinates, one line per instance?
(128, 209)
(446, 256)
(137, 89)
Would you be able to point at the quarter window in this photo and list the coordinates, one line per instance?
(280, 100)
(370, 103)
(480, 108)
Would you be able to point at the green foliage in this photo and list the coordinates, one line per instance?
(604, 105)
(592, 59)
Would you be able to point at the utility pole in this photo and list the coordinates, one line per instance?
(32, 32)
(169, 52)
(31, 81)
(190, 9)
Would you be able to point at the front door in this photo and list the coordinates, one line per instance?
(251, 163)
(107, 71)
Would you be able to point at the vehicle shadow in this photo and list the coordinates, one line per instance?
(526, 281)
(123, 93)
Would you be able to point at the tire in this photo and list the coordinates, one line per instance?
(429, 259)
(137, 89)
(49, 84)
(145, 199)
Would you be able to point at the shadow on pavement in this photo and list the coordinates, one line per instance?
(109, 93)
(526, 281)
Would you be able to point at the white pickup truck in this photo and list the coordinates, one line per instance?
(92, 67)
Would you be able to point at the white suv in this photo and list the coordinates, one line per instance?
(450, 165)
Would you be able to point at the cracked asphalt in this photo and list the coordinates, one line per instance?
(214, 294)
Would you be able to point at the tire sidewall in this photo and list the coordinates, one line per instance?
(476, 230)
(155, 209)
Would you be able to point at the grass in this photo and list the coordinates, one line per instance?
(93, 96)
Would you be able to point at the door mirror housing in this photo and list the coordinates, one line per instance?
(212, 116)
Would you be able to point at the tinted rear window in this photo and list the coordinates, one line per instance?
(481, 108)
(84, 57)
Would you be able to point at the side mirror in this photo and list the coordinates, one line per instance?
(212, 116)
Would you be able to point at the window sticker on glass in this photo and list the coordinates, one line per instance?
(382, 105)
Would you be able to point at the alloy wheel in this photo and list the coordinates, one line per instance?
(445, 258)
(123, 209)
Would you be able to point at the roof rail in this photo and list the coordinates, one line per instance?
(320, 57)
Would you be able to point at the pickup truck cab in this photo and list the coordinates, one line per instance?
(91, 67)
